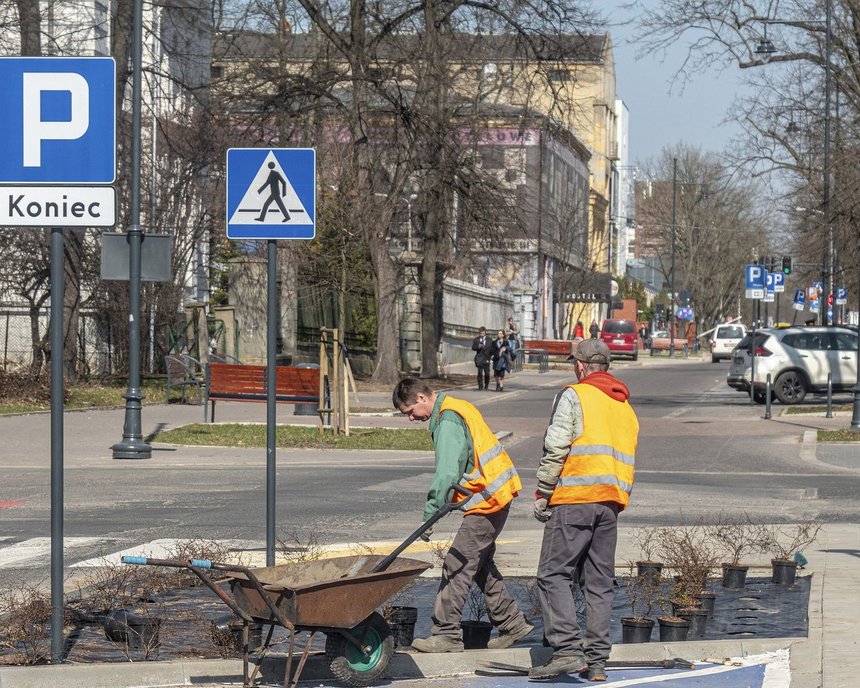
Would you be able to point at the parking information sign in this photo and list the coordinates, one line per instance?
(841, 296)
(59, 135)
(271, 193)
(778, 282)
(799, 299)
(754, 276)
(57, 120)
(770, 287)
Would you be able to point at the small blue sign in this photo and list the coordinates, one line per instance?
(841, 296)
(684, 313)
(58, 120)
(778, 282)
(799, 296)
(271, 193)
(755, 276)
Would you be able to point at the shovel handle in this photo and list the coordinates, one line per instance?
(449, 506)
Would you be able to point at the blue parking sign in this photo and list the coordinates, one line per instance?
(58, 120)
(754, 277)
(271, 193)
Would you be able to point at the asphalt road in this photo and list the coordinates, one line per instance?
(703, 449)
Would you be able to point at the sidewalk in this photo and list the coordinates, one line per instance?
(829, 657)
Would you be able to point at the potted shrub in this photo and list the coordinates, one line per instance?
(738, 536)
(785, 543)
(647, 539)
(673, 629)
(476, 633)
(689, 553)
(643, 591)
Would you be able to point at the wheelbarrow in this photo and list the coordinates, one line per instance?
(337, 597)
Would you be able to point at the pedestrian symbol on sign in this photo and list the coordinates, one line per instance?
(270, 186)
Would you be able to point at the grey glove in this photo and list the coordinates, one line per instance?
(541, 510)
(426, 534)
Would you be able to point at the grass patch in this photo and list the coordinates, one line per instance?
(800, 410)
(844, 435)
(298, 437)
(85, 396)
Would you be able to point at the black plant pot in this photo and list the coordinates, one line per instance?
(698, 619)
(707, 600)
(649, 570)
(673, 630)
(476, 634)
(137, 632)
(636, 630)
(402, 622)
(227, 632)
(734, 576)
(784, 571)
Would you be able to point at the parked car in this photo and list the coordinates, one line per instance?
(798, 360)
(724, 339)
(621, 337)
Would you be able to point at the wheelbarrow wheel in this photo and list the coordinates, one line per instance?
(352, 666)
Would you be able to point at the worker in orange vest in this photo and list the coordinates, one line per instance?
(584, 481)
(468, 453)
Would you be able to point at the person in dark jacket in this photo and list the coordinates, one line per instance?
(482, 345)
(594, 330)
(502, 361)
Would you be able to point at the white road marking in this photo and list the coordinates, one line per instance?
(14, 555)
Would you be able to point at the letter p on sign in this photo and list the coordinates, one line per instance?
(37, 129)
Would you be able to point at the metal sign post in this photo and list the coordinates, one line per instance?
(59, 159)
(271, 194)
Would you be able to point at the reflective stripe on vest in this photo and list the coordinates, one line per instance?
(493, 479)
(601, 462)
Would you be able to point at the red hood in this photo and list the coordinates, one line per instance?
(609, 385)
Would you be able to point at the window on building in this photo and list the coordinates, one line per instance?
(559, 75)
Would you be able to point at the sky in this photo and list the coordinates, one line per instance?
(661, 114)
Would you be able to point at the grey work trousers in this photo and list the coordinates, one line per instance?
(578, 537)
(469, 559)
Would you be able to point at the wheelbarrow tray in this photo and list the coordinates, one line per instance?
(326, 593)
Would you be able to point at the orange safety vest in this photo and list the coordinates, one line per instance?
(601, 462)
(493, 480)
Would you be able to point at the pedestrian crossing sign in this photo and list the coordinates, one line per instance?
(271, 193)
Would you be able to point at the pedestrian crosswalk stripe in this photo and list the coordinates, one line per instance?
(20, 554)
(265, 203)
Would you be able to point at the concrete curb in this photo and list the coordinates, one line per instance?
(404, 665)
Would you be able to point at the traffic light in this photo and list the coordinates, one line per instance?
(786, 265)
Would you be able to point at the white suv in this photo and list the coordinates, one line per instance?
(724, 338)
(798, 360)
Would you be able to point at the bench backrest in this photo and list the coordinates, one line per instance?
(553, 347)
(249, 381)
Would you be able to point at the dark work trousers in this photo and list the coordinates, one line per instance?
(484, 375)
(578, 536)
(469, 559)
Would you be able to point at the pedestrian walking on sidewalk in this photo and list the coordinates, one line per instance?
(584, 481)
(468, 453)
(502, 361)
(594, 329)
(482, 345)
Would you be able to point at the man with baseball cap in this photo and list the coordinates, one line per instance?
(584, 481)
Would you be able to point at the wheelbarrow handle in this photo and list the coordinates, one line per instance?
(449, 506)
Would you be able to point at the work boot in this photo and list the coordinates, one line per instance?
(508, 638)
(438, 643)
(558, 665)
(596, 672)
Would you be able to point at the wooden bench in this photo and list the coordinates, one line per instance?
(248, 383)
(183, 371)
(553, 347)
(658, 345)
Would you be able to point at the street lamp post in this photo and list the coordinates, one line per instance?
(672, 319)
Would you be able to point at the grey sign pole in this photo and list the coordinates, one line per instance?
(271, 418)
(57, 290)
(132, 445)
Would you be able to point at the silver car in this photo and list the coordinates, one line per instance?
(798, 360)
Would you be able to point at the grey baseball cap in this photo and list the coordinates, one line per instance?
(591, 351)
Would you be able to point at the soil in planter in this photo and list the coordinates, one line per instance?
(762, 610)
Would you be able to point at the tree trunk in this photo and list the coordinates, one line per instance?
(387, 330)
(74, 247)
(36, 342)
(30, 19)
